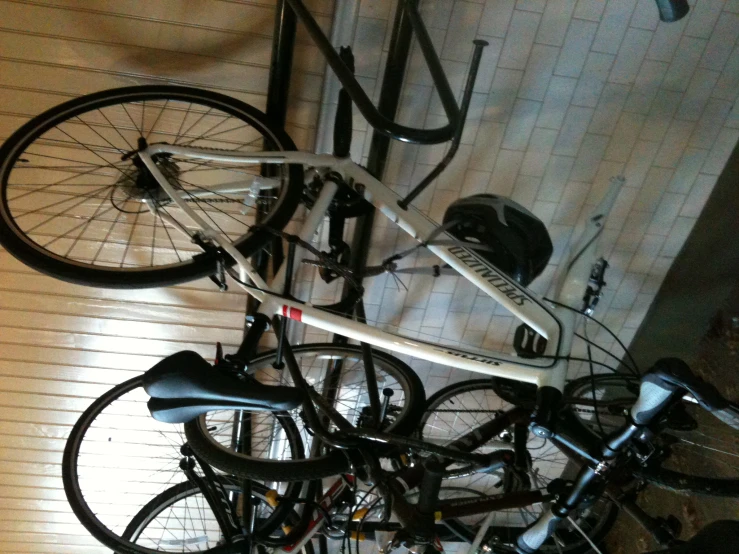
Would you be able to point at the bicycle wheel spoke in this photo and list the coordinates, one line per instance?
(198, 120)
(128, 243)
(115, 128)
(174, 248)
(705, 447)
(208, 137)
(213, 221)
(143, 115)
(102, 242)
(182, 123)
(86, 147)
(98, 134)
(204, 135)
(84, 228)
(153, 125)
(209, 166)
(154, 232)
(84, 224)
(83, 197)
(45, 187)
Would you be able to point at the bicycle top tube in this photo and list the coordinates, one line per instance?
(379, 122)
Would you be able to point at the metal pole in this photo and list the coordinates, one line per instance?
(283, 46)
(392, 83)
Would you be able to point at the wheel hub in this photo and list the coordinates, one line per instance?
(136, 183)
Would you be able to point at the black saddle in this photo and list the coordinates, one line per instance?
(183, 386)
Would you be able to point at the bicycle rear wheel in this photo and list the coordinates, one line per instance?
(118, 458)
(696, 452)
(76, 203)
(458, 409)
(337, 371)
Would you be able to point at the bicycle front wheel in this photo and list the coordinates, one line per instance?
(118, 459)
(695, 452)
(460, 408)
(338, 372)
(76, 202)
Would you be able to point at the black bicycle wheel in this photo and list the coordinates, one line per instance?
(348, 389)
(76, 203)
(118, 458)
(458, 409)
(180, 519)
(695, 452)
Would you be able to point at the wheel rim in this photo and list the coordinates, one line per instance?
(156, 526)
(70, 196)
(121, 439)
(170, 527)
(451, 416)
(265, 433)
(351, 397)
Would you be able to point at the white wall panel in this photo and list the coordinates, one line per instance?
(574, 93)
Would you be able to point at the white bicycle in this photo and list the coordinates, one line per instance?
(151, 186)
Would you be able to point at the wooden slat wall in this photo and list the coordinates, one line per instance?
(63, 345)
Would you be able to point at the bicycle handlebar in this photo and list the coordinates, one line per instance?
(671, 377)
(667, 380)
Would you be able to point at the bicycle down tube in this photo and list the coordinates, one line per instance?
(554, 324)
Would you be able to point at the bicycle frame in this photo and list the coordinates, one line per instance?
(554, 323)
(598, 459)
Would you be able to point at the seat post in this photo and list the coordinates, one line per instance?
(285, 292)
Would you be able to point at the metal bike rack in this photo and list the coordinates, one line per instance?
(407, 24)
(278, 87)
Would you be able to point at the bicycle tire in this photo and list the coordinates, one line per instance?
(335, 462)
(460, 407)
(141, 452)
(186, 491)
(88, 130)
(667, 473)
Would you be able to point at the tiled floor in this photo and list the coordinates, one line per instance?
(569, 94)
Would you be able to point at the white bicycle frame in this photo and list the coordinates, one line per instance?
(554, 323)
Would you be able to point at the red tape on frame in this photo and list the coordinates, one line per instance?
(292, 313)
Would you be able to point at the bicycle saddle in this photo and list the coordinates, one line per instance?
(184, 385)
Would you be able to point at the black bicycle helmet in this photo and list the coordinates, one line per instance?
(516, 241)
